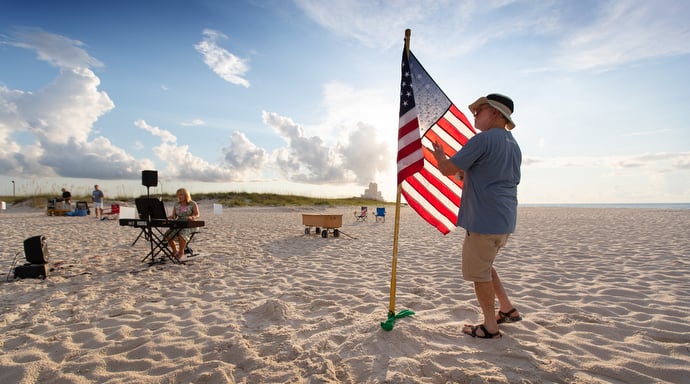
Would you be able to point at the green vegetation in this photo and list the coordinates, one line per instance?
(245, 199)
(34, 201)
(228, 199)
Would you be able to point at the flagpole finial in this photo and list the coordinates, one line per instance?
(408, 32)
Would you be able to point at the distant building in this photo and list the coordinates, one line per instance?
(372, 192)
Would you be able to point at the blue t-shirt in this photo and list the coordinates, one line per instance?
(491, 161)
(97, 196)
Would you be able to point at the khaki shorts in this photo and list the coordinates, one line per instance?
(478, 254)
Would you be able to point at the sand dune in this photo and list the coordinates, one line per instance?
(604, 294)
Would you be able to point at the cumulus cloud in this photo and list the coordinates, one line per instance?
(364, 155)
(309, 159)
(95, 159)
(67, 108)
(243, 157)
(179, 162)
(225, 64)
(59, 117)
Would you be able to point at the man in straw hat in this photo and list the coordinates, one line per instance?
(489, 164)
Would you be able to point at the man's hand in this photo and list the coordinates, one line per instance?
(439, 154)
(444, 164)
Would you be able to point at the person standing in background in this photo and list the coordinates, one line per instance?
(66, 196)
(98, 197)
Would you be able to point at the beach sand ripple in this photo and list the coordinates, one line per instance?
(603, 293)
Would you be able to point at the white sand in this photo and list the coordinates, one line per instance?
(605, 294)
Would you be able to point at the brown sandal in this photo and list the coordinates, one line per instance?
(486, 335)
(504, 317)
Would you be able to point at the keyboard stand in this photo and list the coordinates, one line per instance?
(159, 246)
(155, 230)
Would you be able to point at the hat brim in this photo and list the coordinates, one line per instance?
(498, 106)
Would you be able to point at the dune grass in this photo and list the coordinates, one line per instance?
(228, 199)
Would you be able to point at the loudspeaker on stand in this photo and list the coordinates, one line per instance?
(36, 250)
(149, 178)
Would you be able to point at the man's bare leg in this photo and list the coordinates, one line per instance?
(504, 303)
(485, 295)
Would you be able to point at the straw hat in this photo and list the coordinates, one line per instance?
(501, 102)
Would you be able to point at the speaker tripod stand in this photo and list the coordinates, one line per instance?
(157, 240)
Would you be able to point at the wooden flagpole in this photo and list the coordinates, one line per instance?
(391, 305)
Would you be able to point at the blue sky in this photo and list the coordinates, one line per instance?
(302, 96)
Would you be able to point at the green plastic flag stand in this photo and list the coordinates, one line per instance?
(388, 324)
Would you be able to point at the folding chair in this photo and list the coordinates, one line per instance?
(380, 213)
(362, 215)
(111, 214)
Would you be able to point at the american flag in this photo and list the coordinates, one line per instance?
(427, 116)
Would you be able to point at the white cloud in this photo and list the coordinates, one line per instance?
(95, 159)
(193, 123)
(165, 135)
(444, 28)
(364, 155)
(243, 157)
(179, 162)
(658, 162)
(60, 117)
(584, 35)
(345, 106)
(307, 158)
(57, 50)
(67, 108)
(225, 64)
(376, 24)
(359, 158)
(629, 31)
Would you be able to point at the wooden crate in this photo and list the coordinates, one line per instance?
(58, 212)
(57, 208)
(322, 221)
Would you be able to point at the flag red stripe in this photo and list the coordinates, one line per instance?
(410, 170)
(408, 127)
(452, 195)
(409, 149)
(428, 155)
(450, 130)
(461, 116)
(431, 197)
(447, 147)
(421, 211)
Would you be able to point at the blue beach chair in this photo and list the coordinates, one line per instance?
(380, 214)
